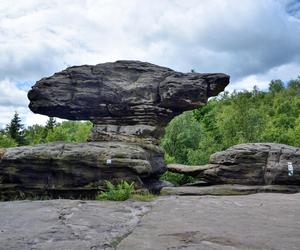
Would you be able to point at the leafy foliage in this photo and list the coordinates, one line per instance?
(239, 117)
(6, 141)
(182, 135)
(69, 131)
(35, 134)
(119, 192)
(177, 179)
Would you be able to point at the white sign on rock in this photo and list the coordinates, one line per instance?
(290, 169)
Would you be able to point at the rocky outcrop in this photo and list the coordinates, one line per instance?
(249, 164)
(193, 171)
(77, 167)
(129, 103)
(125, 100)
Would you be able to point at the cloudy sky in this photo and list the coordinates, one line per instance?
(254, 41)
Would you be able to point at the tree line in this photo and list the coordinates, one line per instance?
(15, 133)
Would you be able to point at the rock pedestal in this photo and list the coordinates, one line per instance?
(129, 103)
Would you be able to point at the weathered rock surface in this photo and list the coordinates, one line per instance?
(261, 221)
(123, 93)
(258, 221)
(229, 189)
(77, 167)
(249, 164)
(189, 170)
(67, 224)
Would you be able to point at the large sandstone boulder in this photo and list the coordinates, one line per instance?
(249, 164)
(123, 93)
(78, 167)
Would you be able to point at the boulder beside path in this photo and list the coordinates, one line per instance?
(249, 164)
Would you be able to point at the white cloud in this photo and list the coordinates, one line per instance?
(284, 72)
(31, 119)
(253, 41)
(11, 95)
(13, 99)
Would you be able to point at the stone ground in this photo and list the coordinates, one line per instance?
(257, 221)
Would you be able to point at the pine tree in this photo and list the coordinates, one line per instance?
(50, 123)
(16, 129)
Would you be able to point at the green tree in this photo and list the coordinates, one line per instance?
(69, 131)
(35, 134)
(50, 124)
(15, 129)
(182, 134)
(276, 86)
(6, 141)
(294, 83)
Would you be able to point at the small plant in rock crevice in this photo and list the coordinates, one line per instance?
(124, 191)
(119, 192)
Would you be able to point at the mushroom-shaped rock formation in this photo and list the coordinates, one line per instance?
(129, 103)
(249, 164)
(125, 100)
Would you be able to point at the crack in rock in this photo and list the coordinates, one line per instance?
(137, 215)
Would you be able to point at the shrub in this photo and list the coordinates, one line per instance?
(6, 141)
(119, 192)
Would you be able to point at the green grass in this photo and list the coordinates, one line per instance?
(143, 195)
